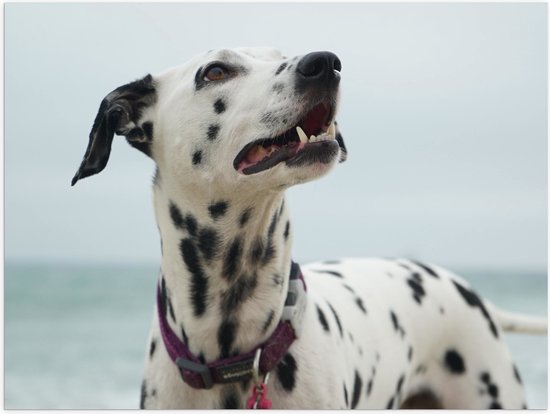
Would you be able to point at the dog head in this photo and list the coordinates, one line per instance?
(234, 119)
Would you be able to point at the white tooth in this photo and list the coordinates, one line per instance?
(302, 135)
(321, 137)
(332, 131)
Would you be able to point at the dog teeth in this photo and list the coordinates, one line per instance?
(332, 131)
(329, 135)
(302, 135)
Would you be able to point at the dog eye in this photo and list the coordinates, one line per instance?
(215, 73)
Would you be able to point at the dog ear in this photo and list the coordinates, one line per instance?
(119, 114)
(340, 140)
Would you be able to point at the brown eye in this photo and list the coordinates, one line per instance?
(215, 73)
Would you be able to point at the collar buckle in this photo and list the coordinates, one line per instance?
(196, 368)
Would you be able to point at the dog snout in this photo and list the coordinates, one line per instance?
(318, 68)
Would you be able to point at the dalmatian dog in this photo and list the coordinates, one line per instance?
(237, 323)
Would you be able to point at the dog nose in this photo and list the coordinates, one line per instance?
(319, 66)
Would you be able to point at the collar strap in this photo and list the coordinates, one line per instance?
(240, 367)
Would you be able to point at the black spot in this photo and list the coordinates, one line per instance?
(396, 326)
(417, 277)
(357, 385)
(516, 374)
(156, 177)
(394, 320)
(346, 395)
(332, 262)
(400, 384)
(190, 223)
(410, 353)
(238, 293)
(148, 129)
(286, 372)
(282, 208)
(143, 396)
(492, 390)
(390, 404)
(427, 269)
(272, 225)
(245, 216)
(418, 290)
(163, 297)
(495, 405)
(359, 303)
(268, 321)
(337, 320)
(197, 157)
(473, 300)
(420, 369)
(209, 243)
(212, 133)
(217, 209)
(171, 309)
(176, 216)
(287, 230)
(403, 265)
(369, 387)
(348, 287)
(485, 377)
(152, 348)
(277, 279)
(231, 260)
(322, 318)
(269, 252)
(330, 272)
(281, 68)
(278, 87)
(245, 385)
(226, 336)
(257, 251)
(231, 401)
(184, 337)
(454, 362)
(199, 282)
(219, 106)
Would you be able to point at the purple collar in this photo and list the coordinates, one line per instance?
(238, 368)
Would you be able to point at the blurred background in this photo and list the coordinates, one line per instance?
(443, 110)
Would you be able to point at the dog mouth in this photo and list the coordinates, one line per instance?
(293, 144)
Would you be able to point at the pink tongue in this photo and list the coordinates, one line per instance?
(256, 154)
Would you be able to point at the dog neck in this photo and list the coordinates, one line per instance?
(225, 267)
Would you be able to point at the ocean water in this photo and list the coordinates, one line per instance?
(75, 336)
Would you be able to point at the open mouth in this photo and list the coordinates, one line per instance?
(311, 134)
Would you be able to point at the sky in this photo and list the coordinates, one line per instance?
(443, 111)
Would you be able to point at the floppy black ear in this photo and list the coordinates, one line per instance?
(340, 140)
(119, 113)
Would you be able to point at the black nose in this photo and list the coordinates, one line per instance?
(319, 66)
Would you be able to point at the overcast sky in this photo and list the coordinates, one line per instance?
(444, 113)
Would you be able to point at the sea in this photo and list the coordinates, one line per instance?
(75, 335)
